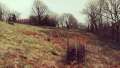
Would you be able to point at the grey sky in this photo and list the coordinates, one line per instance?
(59, 6)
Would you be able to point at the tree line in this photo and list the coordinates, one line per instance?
(40, 16)
(45, 17)
(104, 18)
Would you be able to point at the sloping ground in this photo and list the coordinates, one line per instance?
(99, 54)
(25, 46)
(22, 46)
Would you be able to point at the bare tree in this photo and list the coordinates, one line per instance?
(104, 17)
(39, 10)
(68, 20)
(113, 9)
(2, 11)
(92, 11)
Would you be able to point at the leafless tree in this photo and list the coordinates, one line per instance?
(112, 8)
(91, 12)
(2, 11)
(68, 20)
(104, 17)
(39, 10)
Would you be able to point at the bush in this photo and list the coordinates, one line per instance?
(75, 54)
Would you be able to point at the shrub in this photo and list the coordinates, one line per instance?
(75, 54)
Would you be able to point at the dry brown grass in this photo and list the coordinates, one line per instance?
(25, 46)
(98, 53)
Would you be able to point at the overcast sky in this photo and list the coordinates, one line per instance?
(59, 6)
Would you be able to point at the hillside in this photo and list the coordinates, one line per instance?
(25, 46)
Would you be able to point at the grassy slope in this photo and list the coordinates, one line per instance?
(25, 44)
(28, 46)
